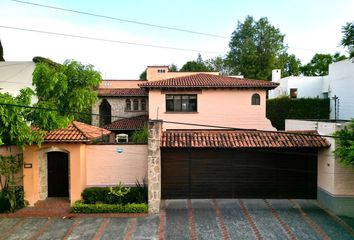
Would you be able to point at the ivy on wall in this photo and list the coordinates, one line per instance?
(279, 109)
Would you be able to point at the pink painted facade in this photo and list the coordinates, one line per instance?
(106, 167)
(219, 107)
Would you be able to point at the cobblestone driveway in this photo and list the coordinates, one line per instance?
(194, 219)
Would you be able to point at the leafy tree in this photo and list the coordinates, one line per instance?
(14, 130)
(254, 48)
(143, 75)
(140, 135)
(218, 64)
(348, 37)
(290, 65)
(172, 68)
(1, 53)
(345, 145)
(194, 66)
(318, 66)
(69, 86)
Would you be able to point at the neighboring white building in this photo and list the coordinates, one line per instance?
(339, 83)
(15, 75)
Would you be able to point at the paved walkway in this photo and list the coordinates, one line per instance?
(193, 219)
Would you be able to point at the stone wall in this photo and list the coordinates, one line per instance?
(118, 108)
(154, 166)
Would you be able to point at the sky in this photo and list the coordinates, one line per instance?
(310, 26)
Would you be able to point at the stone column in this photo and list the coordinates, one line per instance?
(154, 166)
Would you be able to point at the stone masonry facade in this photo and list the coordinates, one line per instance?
(118, 108)
(154, 166)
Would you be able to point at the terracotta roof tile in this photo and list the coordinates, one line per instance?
(129, 92)
(241, 139)
(208, 81)
(75, 132)
(132, 123)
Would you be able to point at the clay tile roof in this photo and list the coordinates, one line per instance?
(76, 132)
(241, 139)
(125, 92)
(202, 80)
(132, 123)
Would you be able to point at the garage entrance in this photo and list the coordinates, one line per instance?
(239, 173)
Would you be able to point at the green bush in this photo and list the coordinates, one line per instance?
(279, 109)
(5, 205)
(101, 195)
(94, 195)
(81, 207)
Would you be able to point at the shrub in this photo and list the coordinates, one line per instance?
(279, 109)
(5, 205)
(94, 195)
(81, 207)
(116, 195)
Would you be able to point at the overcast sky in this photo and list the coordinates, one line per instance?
(310, 26)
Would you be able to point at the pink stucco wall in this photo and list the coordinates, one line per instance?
(222, 107)
(77, 171)
(106, 167)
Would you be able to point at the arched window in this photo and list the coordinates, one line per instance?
(105, 113)
(143, 105)
(136, 104)
(128, 105)
(256, 99)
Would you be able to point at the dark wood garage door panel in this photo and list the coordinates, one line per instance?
(216, 173)
(175, 174)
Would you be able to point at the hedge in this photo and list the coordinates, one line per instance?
(94, 195)
(279, 109)
(81, 207)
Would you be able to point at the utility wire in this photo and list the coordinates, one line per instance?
(173, 122)
(121, 19)
(139, 22)
(107, 40)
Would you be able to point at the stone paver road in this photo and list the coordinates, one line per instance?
(194, 219)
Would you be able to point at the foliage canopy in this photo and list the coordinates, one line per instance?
(345, 145)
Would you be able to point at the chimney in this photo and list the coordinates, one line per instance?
(276, 75)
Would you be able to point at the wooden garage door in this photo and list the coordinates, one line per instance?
(254, 173)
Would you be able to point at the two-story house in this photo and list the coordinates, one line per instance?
(210, 138)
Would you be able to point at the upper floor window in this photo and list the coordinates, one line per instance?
(181, 103)
(293, 92)
(136, 104)
(105, 113)
(161, 70)
(256, 99)
(128, 105)
(143, 105)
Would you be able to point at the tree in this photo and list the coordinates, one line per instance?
(254, 48)
(14, 130)
(290, 65)
(345, 144)
(318, 66)
(348, 37)
(143, 75)
(70, 86)
(1, 53)
(172, 68)
(218, 64)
